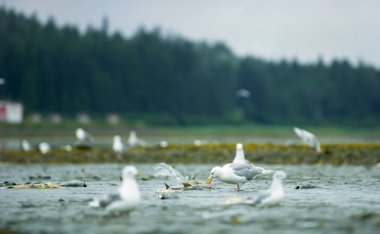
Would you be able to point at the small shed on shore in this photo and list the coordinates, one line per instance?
(11, 112)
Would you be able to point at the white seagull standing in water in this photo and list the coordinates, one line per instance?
(236, 173)
(274, 194)
(308, 138)
(270, 197)
(127, 198)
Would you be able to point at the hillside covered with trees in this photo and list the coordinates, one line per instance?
(55, 69)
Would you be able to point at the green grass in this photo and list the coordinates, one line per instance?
(241, 132)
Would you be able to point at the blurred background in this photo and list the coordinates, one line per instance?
(87, 86)
(166, 63)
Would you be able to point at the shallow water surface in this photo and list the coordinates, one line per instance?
(345, 200)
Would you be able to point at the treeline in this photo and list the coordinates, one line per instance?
(62, 70)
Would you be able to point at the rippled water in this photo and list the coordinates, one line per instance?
(346, 200)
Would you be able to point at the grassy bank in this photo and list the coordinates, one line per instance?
(100, 128)
(335, 154)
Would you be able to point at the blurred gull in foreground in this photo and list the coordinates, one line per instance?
(236, 173)
(308, 138)
(127, 198)
(273, 196)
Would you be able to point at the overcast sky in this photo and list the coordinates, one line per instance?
(271, 29)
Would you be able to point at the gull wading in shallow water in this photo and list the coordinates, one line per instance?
(272, 196)
(127, 198)
(236, 173)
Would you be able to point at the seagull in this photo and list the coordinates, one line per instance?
(68, 148)
(236, 173)
(198, 142)
(44, 147)
(82, 136)
(127, 198)
(308, 138)
(164, 144)
(117, 145)
(270, 197)
(239, 156)
(274, 194)
(25, 145)
(133, 140)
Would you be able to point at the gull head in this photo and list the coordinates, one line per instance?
(80, 133)
(279, 175)
(132, 134)
(239, 156)
(117, 138)
(129, 171)
(215, 172)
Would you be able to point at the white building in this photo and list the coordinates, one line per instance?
(11, 112)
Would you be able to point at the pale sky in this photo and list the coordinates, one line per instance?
(270, 29)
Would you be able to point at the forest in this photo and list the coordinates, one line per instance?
(61, 69)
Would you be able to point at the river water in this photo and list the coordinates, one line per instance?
(346, 199)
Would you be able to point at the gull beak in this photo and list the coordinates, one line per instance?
(209, 180)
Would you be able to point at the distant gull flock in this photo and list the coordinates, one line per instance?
(238, 172)
(86, 140)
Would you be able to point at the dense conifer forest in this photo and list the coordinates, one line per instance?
(60, 69)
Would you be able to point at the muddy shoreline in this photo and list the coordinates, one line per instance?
(334, 154)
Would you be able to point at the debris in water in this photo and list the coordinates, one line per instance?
(163, 170)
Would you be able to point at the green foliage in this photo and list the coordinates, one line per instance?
(63, 70)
